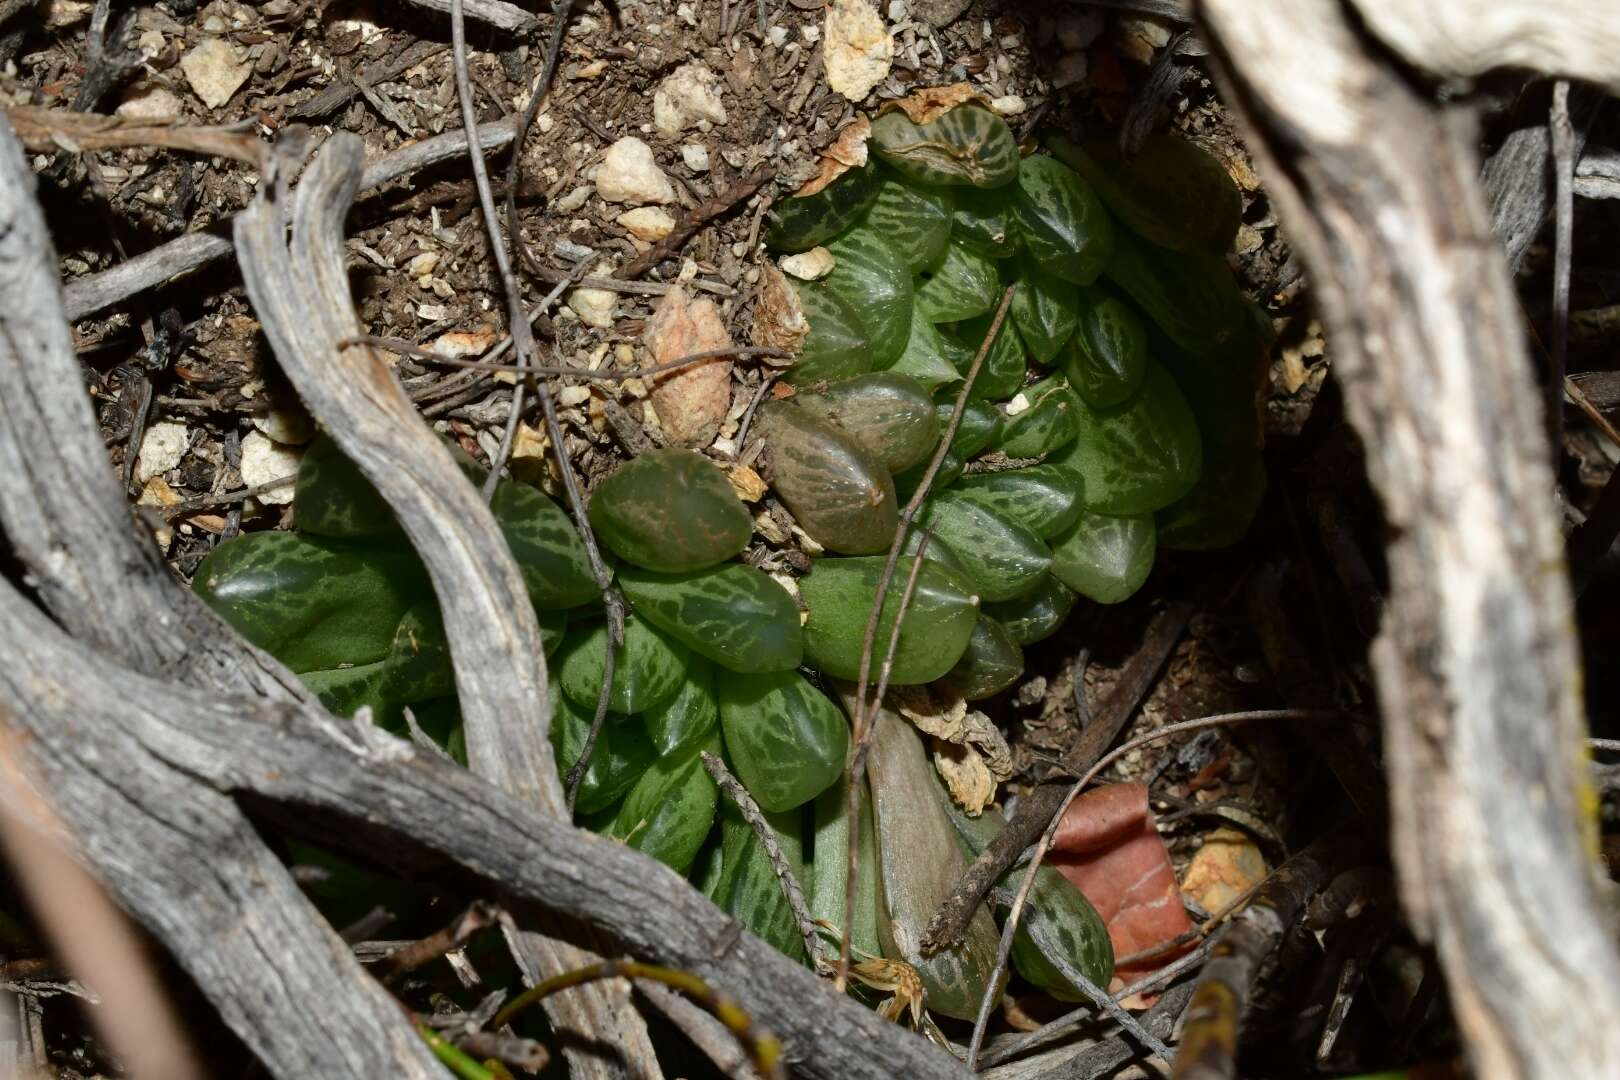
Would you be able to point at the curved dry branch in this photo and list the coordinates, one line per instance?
(300, 291)
(1466, 38)
(400, 801)
(1476, 663)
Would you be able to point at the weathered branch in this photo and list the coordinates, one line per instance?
(300, 292)
(1466, 38)
(1477, 664)
(191, 749)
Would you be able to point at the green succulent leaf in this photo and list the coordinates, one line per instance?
(842, 496)
(838, 594)
(548, 549)
(1062, 222)
(1003, 559)
(418, 667)
(876, 284)
(906, 483)
(801, 223)
(891, 416)
(962, 286)
(786, 741)
(1106, 358)
(1045, 499)
(1194, 299)
(1051, 421)
(344, 691)
(1036, 615)
(979, 427)
(1170, 191)
(312, 602)
(1045, 309)
(1059, 930)
(621, 755)
(915, 222)
(1219, 509)
(985, 223)
(1138, 456)
(733, 614)
(748, 889)
(1105, 559)
(967, 145)
(1002, 374)
(647, 669)
(837, 346)
(930, 357)
(829, 871)
(333, 498)
(670, 510)
(992, 663)
(689, 715)
(920, 861)
(670, 810)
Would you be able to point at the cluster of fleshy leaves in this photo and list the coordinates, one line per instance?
(1114, 409)
(1121, 388)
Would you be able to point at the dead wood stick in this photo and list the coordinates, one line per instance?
(49, 130)
(1478, 629)
(188, 866)
(1036, 809)
(300, 292)
(694, 219)
(1215, 1013)
(183, 752)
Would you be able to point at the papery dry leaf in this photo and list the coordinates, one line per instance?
(848, 151)
(691, 402)
(856, 48)
(932, 102)
(966, 774)
(970, 752)
(1108, 846)
(746, 483)
(779, 321)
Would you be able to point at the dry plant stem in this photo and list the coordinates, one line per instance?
(773, 850)
(352, 785)
(863, 709)
(182, 860)
(1037, 810)
(49, 130)
(91, 936)
(1074, 1018)
(1214, 1016)
(1563, 163)
(1377, 187)
(86, 682)
(600, 1014)
(407, 349)
(1010, 927)
(479, 915)
(764, 1047)
(300, 294)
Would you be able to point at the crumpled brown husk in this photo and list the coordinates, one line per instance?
(932, 102)
(970, 753)
(779, 321)
(846, 152)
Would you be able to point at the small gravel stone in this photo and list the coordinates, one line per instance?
(162, 447)
(696, 156)
(628, 174)
(649, 223)
(215, 71)
(149, 103)
(593, 306)
(810, 265)
(264, 460)
(689, 95)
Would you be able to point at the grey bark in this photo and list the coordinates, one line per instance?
(1476, 663)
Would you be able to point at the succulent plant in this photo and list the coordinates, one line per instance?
(1113, 415)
